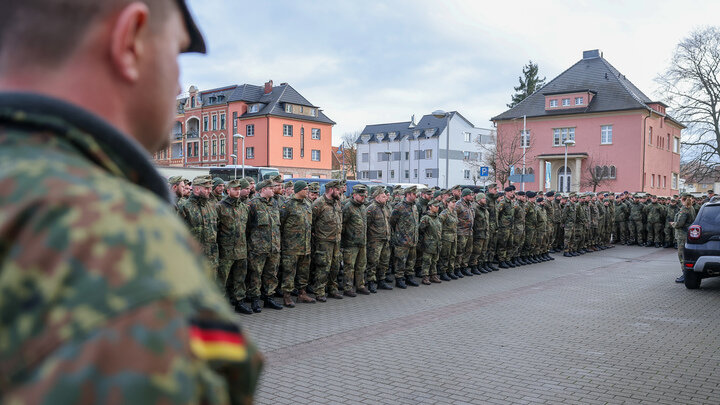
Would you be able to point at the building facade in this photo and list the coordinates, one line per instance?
(623, 141)
(426, 152)
(281, 129)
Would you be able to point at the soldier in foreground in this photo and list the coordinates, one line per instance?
(327, 229)
(124, 267)
(378, 240)
(295, 231)
(264, 234)
(404, 237)
(201, 218)
(354, 239)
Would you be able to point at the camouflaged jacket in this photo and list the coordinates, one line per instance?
(683, 219)
(296, 226)
(430, 232)
(655, 213)
(481, 226)
(621, 211)
(465, 217)
(263, 226)
(104, 295)
(201, 218)
(378, 225)
(404, 225)
(232, 224)
(492, 211)
(448, 219)
(569, 215)
(530, 215)
(354, 224)
(518, 216)
(505, 212)
(327, 220)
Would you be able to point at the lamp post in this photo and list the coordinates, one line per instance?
(234, 156)
(238, 136)
(567, 142)
(443, 114)
(387, 166)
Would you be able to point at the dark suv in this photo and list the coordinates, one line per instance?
(702, 249)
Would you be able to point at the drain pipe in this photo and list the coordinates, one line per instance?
(642, 188)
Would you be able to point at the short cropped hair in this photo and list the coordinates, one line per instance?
(46, 32)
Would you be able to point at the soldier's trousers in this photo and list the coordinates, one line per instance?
(540, 238)
(464, 250)
(655, 232)
(621, 232)
(569, 239)
(354, 263)
(503, 244)
(491, 250)
(637, 231)
(529, 242)
(404, 261)
(518, 237)
(448, 250)
(295, 267)
(263, 272)
(669, 234)
(327, 264)
(559, 237)
(479, 251)
(231, 278)
(378, 260)
(680, 240)
(429, 262)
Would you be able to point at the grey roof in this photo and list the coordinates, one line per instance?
(379, 132)
(613, 91)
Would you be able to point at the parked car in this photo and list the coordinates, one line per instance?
(702, 248)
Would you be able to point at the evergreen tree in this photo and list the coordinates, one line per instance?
(529, 82)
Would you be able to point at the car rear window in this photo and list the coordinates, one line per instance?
(709, 215)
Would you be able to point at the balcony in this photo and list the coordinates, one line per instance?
(193, 134)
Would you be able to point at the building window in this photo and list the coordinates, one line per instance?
(466, 155)
(414, 173)
(250, 130)
(613, 173)
(467, 136)
(222, 121)
(315, 133)
(407, 174)
(664, 181)
(287, 130)
(674, 180)
(205, 123)
(566, 102)
(315, 155)
(189, 149)
(254, 108)
(606, 134)
(250, 152)
(553, 103)
(365, 157)
(676, 145)
(428, 153)
(650, 135)
(652, 180)
(192, 102)
(214, 147)
(392, 174)
(428, 173)
(364, 174)
(379, 174)
(214, 122)
(466, 174)
(562, 134)
(222, 146)
(235, 127)
(525, 137)
(205, 148)
(287, 153)
(579, 100)
(288, 108)
(407, 155)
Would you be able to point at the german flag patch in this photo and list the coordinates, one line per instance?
(217, 341)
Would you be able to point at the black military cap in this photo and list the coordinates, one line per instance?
(513, 188)
(509, 188)
(197, 42)
(520, 192)
(550, 193)
(530, 194)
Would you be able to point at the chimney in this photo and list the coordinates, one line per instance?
(595, 53)
(268, 87)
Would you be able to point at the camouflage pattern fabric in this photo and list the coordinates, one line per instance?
(448, 249)
(378, 236)
(327, 229)
(296, 243)
(201, 218)
(264, 241)
(354, 236)
(104, 295)
(430, 242)
(232, 268)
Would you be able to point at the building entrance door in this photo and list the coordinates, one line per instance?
(564, 179)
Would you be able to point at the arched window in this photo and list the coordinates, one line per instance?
(205, 146)
(613, 172)
(222, 145)
(529, 170)
(598, 172)
(606, 172)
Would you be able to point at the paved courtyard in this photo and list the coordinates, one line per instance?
(606, 327)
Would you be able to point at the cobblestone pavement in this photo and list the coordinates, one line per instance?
(606, 327)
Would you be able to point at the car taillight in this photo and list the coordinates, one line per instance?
(694, 232)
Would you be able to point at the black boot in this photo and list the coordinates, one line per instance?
(255, 305)
(452, 275)
(567, 254)
(270, 303)
(410, 280)
(504, 265)
(400, 283)
(484, 268)
(372, 287)
(494, 266)
(445, 277)
(475, 270)
(466, 272)
(459, 274)
(513, 263)
(241, 308)
(384, 285)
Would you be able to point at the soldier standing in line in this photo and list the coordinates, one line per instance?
(466, 217)
(491, 251)
(277, 186)
(327, 229)
(558, 234)
(264, 241)
(549, 209)
(288, 190)
(683, 219)
(448, 220)
(313, 191)
(635, 224)
(218, 189)
(232, 268)
(505, 215)
(251, 181)
(201, 217)
(531, 229)
(378, 240)
(621, 217)
(655, 222)
(568, 221)
(423, 198)
(481, 229)
(430, 231)
(177, 186)
(672, 209)
(518, 230)
(593, 221)
(354, 241)
(404, 237)
(295, 242)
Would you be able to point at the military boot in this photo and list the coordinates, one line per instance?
(445, 277)
(459, 274)
(363, 290)
(435, 279)
(384, 285)
(270, 303)
(288, 301)
(495, 266)
(372, 287)
(241, 308)
(426, 280)
(466, 272)
(410, 280)
(475, 270)
(400, 283)
(303, 297)
(255, 305)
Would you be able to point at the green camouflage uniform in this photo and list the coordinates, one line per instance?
(655, 222)
(295, 232)
(430, 230)
(101, 284)
(481, 228)
(490, 253)
(232, 269)
(264, 241)
(327, 229)
(448, 219)
(505, 213)
(404, 237)
(378, 245)
(568, 219)
(518, 229)
(201, 218)
(635, 224)
(531, 229)
(683, 219)
(354, 240)
(558, 236)
(621, 225)
(465, 217)
(671, 210)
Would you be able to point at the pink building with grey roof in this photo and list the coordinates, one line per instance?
(624, 141)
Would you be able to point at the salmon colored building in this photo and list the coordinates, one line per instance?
(282, 129)
(624, 141)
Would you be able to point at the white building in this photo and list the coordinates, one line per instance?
(405, 152)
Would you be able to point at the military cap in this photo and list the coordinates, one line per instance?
(234, 183)
(435, 204)
(531, 194)
(277, 179)
(456, 187)
(314, 187)
(397, 187)
(513, 187)
(573, 194)
(197, 42)
(411, 189)
(202, 181)
(437, 193)
(676, 196)
(424, 190)
(501, 193)
(242, 183)
(333, 184)
(540, 199)
(492, 185)
(710, 191)
(520, 192)
(249, 179)
(508, 188)
(683, 195)
(175, 180)
(550, 193)
(480, 196)
(217, 181)
(376, 191)
(451, 199)
(359, 189)
(466, 191)
(299, 186)
(263, 184)
(288, 184)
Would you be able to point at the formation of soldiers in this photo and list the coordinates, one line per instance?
(284, 239)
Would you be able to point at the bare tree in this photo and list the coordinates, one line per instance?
(692, 89)
(597, 172)
(506, 153)
(350, 152)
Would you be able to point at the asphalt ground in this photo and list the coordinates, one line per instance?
(608, 327)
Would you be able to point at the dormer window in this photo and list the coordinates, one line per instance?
(254, 108)
(553, 103)
(566, 102)
(288, 108)
(579, 100)
(416, 132)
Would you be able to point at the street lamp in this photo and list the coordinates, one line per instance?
(567, 142)
(234, 156)
(443, 114)
(387, 166)
(238, 136)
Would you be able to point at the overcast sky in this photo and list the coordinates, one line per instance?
(368, 62)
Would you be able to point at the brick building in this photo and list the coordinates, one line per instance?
(282, 129)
